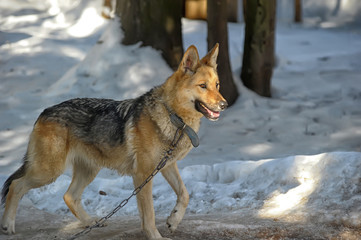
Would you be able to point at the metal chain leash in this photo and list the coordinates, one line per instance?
(167, 155)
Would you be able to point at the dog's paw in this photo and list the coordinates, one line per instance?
(8, 227)
(173, 220)
(91, 222)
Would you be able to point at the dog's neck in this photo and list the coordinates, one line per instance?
(178, 122)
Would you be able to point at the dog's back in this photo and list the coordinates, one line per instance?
(100, 121)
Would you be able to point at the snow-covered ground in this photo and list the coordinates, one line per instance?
(294, 157)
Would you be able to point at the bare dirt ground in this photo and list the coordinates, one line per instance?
(34, 224)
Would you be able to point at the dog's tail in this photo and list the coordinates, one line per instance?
(16, 175)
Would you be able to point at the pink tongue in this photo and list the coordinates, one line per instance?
(213, 114)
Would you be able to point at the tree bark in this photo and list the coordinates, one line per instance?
(298, 11)
(218, 33)
(258, 54)
(154, 23)
(244, 10)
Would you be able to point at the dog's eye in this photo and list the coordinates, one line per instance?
(203, 85)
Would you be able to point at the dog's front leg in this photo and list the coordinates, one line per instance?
(171, 174)
(146, 209)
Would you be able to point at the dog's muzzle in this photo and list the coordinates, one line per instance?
(211, 113)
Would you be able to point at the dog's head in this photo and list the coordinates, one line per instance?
(195, 85)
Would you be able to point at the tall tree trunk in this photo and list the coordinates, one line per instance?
(218, 33)
(244, 9)
(154, 23)
(298, 11)
(258, 54)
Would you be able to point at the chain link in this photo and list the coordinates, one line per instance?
(167, 155)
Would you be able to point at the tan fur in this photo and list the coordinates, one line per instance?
(52, 147)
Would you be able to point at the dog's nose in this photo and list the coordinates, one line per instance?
(223, 105)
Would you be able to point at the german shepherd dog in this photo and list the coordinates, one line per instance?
(129, 136)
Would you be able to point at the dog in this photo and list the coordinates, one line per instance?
(129, 136)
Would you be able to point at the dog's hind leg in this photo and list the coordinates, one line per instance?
(43, 163)
(16, 191)
(171, 174)
(83, 174)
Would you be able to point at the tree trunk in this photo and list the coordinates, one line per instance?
(258, 53)
(218, 33)
(298, 11)
(154, 23)
(244, 10)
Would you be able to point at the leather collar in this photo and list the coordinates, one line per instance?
(179, 123)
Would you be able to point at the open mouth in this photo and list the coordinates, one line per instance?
(208, 113)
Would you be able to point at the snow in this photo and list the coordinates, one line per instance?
(294, 157)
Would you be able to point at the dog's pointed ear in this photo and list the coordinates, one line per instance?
(211, 58)
(190, 60)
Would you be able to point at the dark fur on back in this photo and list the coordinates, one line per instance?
(16, 175)
(97, 120)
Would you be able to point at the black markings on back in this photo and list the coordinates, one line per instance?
(97, 121)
